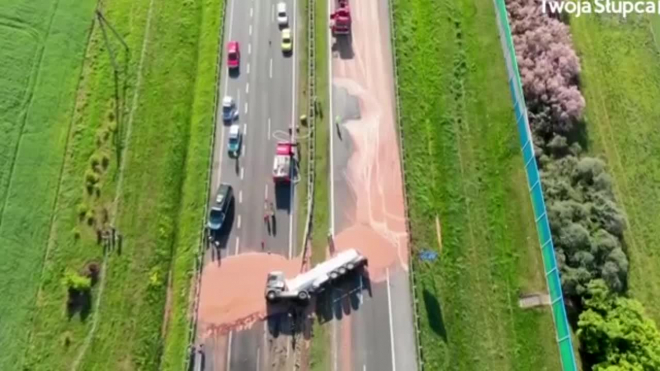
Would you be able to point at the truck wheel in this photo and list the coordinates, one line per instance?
(350, 266)
(271, 296)
(334, 275)
(303, 296)
(342, 271)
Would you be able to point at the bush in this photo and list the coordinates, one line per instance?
(615, 333)
(76, 282)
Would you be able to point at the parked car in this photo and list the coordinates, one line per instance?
(282, 18)
(229, 110)
(218, 213)
(235, 141)
(233, 54)
(287, 40)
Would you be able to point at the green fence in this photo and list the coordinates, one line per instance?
(563, 331)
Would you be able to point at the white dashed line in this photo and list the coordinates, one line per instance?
(251, 12)
(389, 304)
(240, 201)
(246, 107)
(266, 192)
(242, 171)
(239, 222)
(248, 68)
(244, 129)
(269, 128)
(250, 30)
(247, 88)
(237, 242)
(249, 48)
(270, 69)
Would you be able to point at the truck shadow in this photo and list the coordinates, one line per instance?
(344, 296)
(289, 319)
(343, 44)
(283, 196)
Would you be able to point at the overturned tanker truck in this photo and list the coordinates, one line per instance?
(305, 284)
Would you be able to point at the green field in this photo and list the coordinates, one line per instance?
(71, 108)
(463, 166)
(621, 84)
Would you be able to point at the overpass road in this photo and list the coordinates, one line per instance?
(264, 91)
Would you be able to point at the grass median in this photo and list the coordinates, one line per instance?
(620, 81)
(467, 193)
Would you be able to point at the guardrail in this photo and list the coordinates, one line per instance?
(311, 119)
(566, 352)
(413, 281)
(199, 261)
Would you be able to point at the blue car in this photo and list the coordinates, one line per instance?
(229, 111)
(220, 207)
(235, 141)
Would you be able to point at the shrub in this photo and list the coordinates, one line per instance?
(76, 282)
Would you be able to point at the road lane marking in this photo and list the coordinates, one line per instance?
(247, 88)
(246, 107)
(266, 192)
(239, 222)
(250, 28)
(270, 69)
(249, 48)
(229, 351)
(222, 131)
(240, 199)
(248, 68)
(242, 171)
(251, 12)
(389, 305)
(332, 168)
(237, 244)
(269, 128)
(292, 205)
(244, 129)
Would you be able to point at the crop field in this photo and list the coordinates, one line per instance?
(75, 121)
(464, 174)
(621, 83)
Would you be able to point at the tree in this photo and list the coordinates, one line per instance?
(616, 333)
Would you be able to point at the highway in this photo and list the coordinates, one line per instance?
(264, 90)
(376, 332)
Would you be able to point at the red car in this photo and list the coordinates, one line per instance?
(233, 54)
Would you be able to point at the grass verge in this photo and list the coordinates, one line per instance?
(303, 101)
(463, 166)
(160, 206)
(620, 81)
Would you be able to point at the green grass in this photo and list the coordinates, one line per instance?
(621, 84)
(163, 191)
(463, 165)
(303, 109)
(319, 354)
(43, 44)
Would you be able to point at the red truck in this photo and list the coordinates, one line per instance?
(340, 19)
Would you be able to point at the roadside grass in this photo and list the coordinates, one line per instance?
(303, 132)
(43, 45)
(463, 166)
(319, 355)
(162, 199)
(620, 81)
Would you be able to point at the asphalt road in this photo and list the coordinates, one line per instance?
(380, 321)
(264, 90)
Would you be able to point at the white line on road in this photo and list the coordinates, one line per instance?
(389, 305)
(248, 68)
(222, 131)
(246, 107)
(330, 122)
(249, 48)
(364, 367)
(240, 201)
(244, 129)
(242, 171)
(251, 12)
(269, 128)
(239, 222)
(247, 88)
(237, 243)
(270, 69)
(229, 350)
(266, 192)
(250, 30)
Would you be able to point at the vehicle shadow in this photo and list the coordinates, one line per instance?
(343, 44)
(283, 194)
(234, 72)
(289, 319)
(343, 296)
(218, 239)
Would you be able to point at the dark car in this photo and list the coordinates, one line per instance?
(218, 212)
